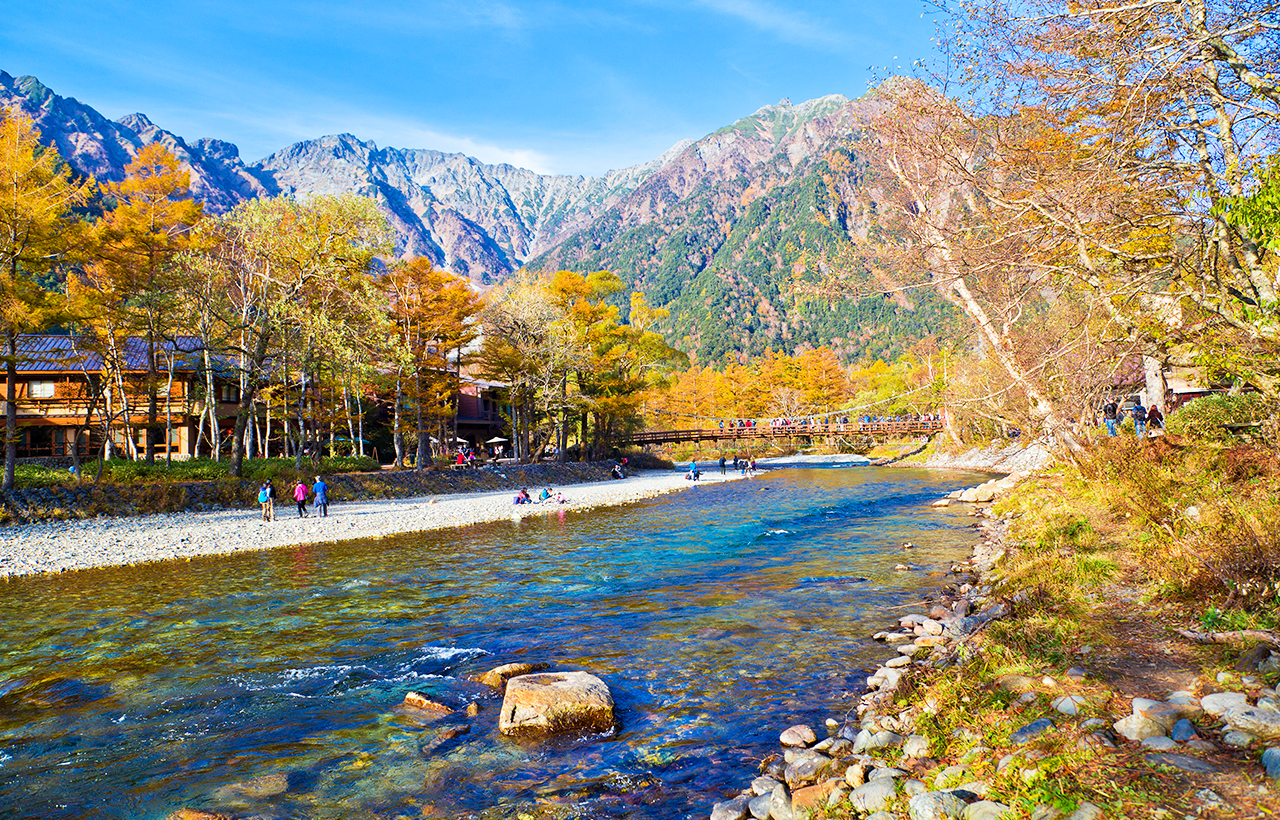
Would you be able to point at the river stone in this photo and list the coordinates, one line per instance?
(1166, 714)
(898, 662)
(811, 797)
(1015, 684)
(1220, 702)
(1069, 704)
(556, 702)
(985, 810)
(935, 806)
(259, 788)
(798, 736)
(763, 785)
(1238, 740)
(1159, 743)
(916, 746)
(735, 809)
(499, 675)
(780, 804)
(759, 805)
(1183, 731)
(984, 494)
(426, 704)
(805, 770)
(932, 627)
(1137, 728)
(1255, 721)
(1031, 731)
(941, 502)
(1271, 762)
(886, 771)
(873, 795)
(196, 814)
(1186, 763)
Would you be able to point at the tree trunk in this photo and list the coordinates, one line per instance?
(245, 407)
(153, 404)
(10, 407)
(397, 432)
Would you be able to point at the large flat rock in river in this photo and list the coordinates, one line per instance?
(556, 702)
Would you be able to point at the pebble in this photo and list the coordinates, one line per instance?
(985, 810)
(1137, 728)
(1069, 704)
(1183, 731)
(1239, 740)
(1031, 731)
(798, 736)
(1271, 762)
(936, 806)
(1159, 743)
(1220, 702)
(873, 795)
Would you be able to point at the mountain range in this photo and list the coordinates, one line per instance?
(729, 232)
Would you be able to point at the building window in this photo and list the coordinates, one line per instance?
(230, 393)
(40, 390)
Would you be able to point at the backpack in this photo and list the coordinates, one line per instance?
(262, 496)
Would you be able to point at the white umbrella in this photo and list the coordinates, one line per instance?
(495, 440)
(463, 440)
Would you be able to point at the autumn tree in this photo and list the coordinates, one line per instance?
(434, 313)
(135, 277)
(1069, 196)
(280, 265)
(38, 228)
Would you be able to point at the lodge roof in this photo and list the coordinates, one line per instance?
(48, 353)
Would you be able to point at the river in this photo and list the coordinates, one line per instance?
(267, 684)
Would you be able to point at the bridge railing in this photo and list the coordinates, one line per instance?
(738, 433)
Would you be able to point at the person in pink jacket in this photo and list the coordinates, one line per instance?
(300, 495)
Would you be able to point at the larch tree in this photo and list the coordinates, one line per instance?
(38, 229)
(137, 273)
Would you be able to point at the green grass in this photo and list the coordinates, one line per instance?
(124, 472)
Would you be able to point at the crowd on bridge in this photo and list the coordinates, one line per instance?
(828, 423)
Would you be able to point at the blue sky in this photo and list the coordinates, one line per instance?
(564, 87)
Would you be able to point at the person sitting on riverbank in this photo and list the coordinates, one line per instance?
(617, 471)
(560, 499)
(545, 496)
(522, 497)
(694, 474)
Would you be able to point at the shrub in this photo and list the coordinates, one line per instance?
(1203, 418)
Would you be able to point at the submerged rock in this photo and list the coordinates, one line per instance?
(420, 701)
(556, 702)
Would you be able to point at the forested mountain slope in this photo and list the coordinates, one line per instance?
(728, 232)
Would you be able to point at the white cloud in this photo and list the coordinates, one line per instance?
(792, 26)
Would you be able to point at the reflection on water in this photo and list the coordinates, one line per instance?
(267, 684)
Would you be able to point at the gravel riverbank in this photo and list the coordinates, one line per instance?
(101, 542)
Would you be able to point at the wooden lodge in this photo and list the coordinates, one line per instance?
(58, 377)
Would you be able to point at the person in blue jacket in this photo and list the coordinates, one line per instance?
(321, 500)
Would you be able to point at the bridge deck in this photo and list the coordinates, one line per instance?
(882, 429)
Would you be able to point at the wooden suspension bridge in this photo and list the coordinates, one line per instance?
(854, 431)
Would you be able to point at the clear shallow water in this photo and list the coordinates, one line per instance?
(718, 616)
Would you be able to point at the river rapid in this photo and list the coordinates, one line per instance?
(268, 684)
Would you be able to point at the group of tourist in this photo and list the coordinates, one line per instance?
(827, 422)
(319, 495)
(1145, 419)
(544, 497)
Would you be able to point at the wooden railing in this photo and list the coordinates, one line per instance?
(875, 429)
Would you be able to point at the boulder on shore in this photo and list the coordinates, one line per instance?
(556, 702)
